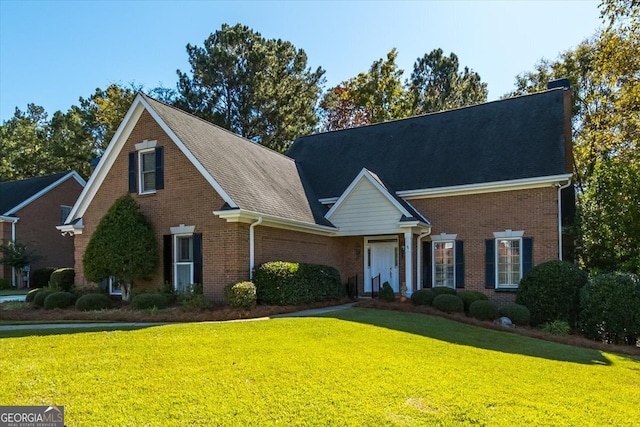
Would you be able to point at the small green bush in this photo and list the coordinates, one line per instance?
(38, 300)
(551, 291)
(517, 313)
(5, 283)
(62, 279)
(149, 300)
(557, 327)
(91, 302)
(611, 308)
(40, 277)
(192, 298)
(448, 303)
(290, 283)
(483, 310)
(468, 297)
(58, 300)
(241, 295)
(386, 293)
(422, 297)
(32, 294)
(443, 290)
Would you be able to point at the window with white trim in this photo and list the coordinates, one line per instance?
(147, 168)
(183, 245)
(508, 262)
(444, 263)
(114, 286)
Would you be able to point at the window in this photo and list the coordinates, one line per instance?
(64, 213)
(147, 169)
(508, 262)
(184, 262)
(444, 263)
(114, 286)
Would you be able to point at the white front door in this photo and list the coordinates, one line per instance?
(383, 261)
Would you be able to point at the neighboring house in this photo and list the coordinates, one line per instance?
(29, 211)
(463, 198)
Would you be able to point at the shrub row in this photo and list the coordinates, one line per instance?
(289, 283)
(241, 295)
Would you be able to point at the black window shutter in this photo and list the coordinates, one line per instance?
(159, 168)
(132, 172)
(167, 264)
(527, 255)
(197, 258)
(426, 266)
(490, 264)
(459, 264)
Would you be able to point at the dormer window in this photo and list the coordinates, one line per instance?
(146, 168)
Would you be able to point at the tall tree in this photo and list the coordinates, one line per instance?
(261, 89)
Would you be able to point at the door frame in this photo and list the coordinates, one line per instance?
(370, 241)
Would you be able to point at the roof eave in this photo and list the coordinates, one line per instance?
(246, 216)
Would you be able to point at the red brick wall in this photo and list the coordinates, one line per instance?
(5, 236)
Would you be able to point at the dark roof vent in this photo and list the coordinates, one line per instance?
(563, 83)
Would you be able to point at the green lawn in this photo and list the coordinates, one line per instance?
(356, 367)
(5, 292)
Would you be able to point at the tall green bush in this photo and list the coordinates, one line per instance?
(62, 279)
(40, 277)
(611, 308)
(551, 291)
(290, 283)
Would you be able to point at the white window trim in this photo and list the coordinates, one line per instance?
(433, 257)
(140, 171)
(443, 236)
(146, 144)
(496, 258)
(176, 263)
(111, 281)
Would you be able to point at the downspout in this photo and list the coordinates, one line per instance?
(13, 239)
(252, 251)
(560, 188)
(419, 266)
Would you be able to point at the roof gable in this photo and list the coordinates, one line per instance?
(14, 195)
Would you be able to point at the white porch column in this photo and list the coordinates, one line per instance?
(408, 261)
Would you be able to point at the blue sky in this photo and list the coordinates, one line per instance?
(53, 52)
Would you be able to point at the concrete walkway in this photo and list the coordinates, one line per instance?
(35, 326)
(7, 298)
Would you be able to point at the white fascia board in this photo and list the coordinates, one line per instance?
(71, 229)
(487, 187)
(9, 218)
(241, 215)
(72, 174)
(328, 200)
(364, 173)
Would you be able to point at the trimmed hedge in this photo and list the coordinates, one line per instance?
(517, 313)
(422, 297)
(62, 279)
(32, 294)
(241, 295)
(551, 291)
(58, 300)
(468, 297)
(611, 308)
(40, 277)
(91, 302)
(291, 283)
(149, 300)
(40, 296)
(483, 310)
(386, 293)
(448, 303)
(443, 290)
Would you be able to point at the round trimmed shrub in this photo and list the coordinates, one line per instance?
(517, 313)
(40, 277)
(149, 300)
(443, 290)
(58, 300)
(241, 295)
(62, 279)
(422, 297)
(551, 291)
(40, 296)
(32, 294)
(91, 302)
(386, 293)
(611, 308)
(448, 303)
(468, 297)
(483, 310)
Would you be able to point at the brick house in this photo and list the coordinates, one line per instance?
(29, 211)
(469, 198)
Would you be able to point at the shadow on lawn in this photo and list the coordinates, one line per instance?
(70, 329)
(462, 334)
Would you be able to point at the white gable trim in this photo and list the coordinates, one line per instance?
(245, 216)
(365, 174)
(114, 148)
(72, 174)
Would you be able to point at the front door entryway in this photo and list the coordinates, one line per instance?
(381, 259)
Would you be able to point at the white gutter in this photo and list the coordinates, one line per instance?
(560, 188)
(252, 250)
(419, 260)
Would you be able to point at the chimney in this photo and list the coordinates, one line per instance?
(563, 83)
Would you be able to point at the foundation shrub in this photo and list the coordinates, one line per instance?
(40, 277)
(58, 299)
(443, 290)
(241, 295)
(32, 294)
(386, 293)
(5, 284)
(468, 297)
(290, 283)
(448, 303)
(422, 297)
(149, 301)
(91, 302)
(62, 279)
(483, 309)
(40, 296)
(517, 313)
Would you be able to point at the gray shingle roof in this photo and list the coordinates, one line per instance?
(12, 193)
(515, 138)
(255, 177)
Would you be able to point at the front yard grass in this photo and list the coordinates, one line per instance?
(13, 291)
(357, 367)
